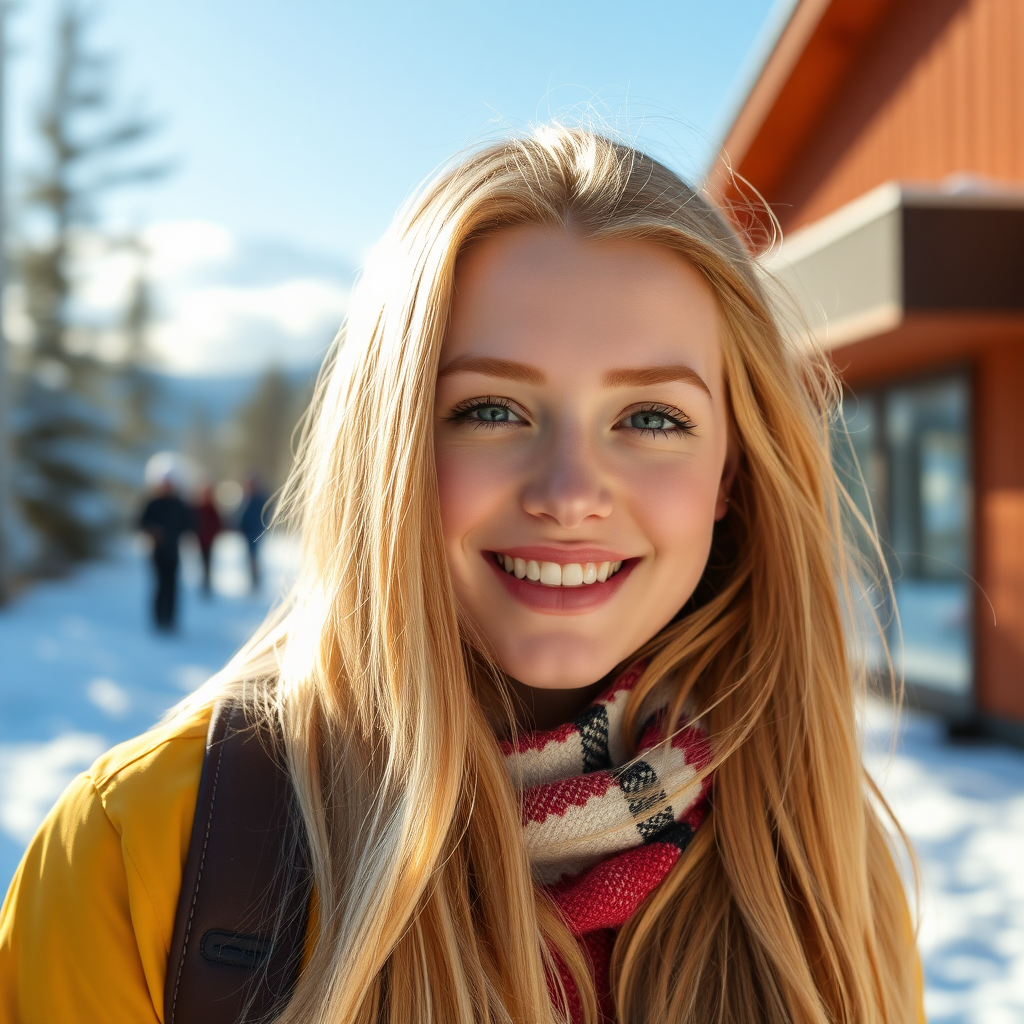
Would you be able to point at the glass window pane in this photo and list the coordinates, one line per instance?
(944, 503)
(929, 530)
(860, 467)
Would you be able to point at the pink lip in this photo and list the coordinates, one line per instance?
(564, 556)
(560, 600)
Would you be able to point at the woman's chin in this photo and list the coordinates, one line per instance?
(558, 665)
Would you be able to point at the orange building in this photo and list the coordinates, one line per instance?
(888, 138)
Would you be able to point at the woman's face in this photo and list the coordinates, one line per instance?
(582, 446)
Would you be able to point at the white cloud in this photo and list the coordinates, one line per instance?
(223, 328)
(221, 305)
(183, 246)
(227, 307)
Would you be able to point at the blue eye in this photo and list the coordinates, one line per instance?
(650, 421)
(492, 414)
(657, 421)
(485, 412)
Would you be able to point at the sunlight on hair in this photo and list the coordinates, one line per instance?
(788, 905)
(549, 137)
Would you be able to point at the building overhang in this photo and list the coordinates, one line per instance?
(791, 88)
(903, 256)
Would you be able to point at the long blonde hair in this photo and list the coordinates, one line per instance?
(788, 906)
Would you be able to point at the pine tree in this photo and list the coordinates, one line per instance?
(136, 392)
(139, 389)
(263, 426)
(201, 443)
(65, 430)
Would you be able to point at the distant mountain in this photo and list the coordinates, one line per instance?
(218, 398)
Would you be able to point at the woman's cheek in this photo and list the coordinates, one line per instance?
(677, 515)
(472, 487)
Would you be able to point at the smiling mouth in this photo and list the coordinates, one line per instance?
(555, 574)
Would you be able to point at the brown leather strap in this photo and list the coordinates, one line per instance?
(244, 900)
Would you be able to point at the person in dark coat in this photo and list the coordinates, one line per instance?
(252, 526)
(207, 525)
(165, 518)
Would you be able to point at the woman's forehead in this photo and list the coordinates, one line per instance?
(550, 299)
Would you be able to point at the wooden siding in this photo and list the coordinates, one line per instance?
(999, 472)
(938, 92)
(799, 81)
(928, 90)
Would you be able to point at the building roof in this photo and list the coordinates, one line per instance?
(800, 76)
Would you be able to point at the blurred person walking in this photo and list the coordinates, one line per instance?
(165, 518)
(252, 526)
(208, 524)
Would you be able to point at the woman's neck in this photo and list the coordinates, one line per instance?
(543, 709)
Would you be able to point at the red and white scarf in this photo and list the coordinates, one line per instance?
(597, 830)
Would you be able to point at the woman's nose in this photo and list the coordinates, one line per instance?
(566, 486)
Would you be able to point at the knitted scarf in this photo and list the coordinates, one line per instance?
(597, 836)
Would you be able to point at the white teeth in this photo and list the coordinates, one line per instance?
(554, 574)
(551, 574)
(572, 575)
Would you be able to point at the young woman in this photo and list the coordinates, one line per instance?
(564, 687)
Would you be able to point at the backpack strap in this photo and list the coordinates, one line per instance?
(244, 901)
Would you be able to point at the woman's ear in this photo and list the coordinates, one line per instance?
(729, 470)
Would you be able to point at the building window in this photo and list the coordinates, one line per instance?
(913, 446)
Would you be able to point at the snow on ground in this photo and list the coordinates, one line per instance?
(81, 669)
(963, 807)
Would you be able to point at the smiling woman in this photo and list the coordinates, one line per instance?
(605, 480)
(563, 694)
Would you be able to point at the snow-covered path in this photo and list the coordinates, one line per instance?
(80, 669)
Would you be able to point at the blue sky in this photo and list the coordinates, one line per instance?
(298, 128)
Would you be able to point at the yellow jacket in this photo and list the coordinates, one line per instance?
(112, 852)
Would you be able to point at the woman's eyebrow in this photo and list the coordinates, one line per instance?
(506, 369)
(641, 376)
